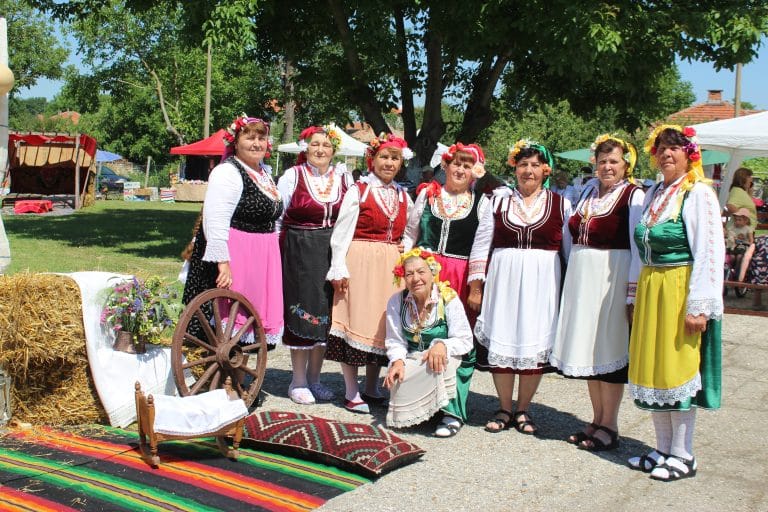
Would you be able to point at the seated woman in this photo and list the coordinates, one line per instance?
(425, 324)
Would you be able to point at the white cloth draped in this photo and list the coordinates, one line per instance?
(198, 414)
(115, 373)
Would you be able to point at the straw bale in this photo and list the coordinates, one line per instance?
(42, 346)
(59, 396)
(41, 321)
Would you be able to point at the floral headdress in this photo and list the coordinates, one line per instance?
(330, 130)
(434, 266)
(629, 156)
(386, 140)
(695, 168)
(478, 171)
(525, 144)
(237, 124)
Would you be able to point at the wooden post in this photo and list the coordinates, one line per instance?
(77, 172)
(737, 99)
(207, 116)
(146, 173)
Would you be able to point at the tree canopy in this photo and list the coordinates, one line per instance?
(34, 52)
(364, 58)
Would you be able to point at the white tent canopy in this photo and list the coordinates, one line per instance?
(349, 146)
(437, 156)
(740, 137)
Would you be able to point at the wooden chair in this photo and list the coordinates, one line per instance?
(145, 413)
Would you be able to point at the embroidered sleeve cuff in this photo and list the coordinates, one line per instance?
(337, 273)
(711, 308)
(631, 292)
(477, 270)
(216, 250)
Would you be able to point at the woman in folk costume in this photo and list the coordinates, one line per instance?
(524, 232)
(240, 209)
(592, 340)
(674, 351)
(367, 240)
(427, 333)
(444, 220)
(312, 192)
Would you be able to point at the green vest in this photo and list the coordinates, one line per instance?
(420, 340)
(665, 243)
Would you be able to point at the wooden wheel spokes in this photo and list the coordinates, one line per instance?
(242, 331)
(233, 309)
(200, 315)
(198, 362)
(207, 348)
(205, 377)
(197, 341)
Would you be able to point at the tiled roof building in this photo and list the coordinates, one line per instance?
(714, 109)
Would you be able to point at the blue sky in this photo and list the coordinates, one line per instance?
(703, 76)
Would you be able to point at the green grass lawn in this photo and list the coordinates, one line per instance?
(142, 238)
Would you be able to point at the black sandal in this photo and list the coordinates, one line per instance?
(526, 421)
(581, 435)
(500, 423)
(674, 472)
(646, 463)
(595, 444)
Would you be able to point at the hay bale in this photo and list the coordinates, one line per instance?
(42, 345)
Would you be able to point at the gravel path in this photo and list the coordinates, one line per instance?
(477, 470)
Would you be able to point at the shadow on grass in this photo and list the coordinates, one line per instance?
(147, 233)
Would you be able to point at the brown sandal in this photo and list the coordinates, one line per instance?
(523, 420)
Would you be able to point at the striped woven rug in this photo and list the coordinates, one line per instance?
(100, 468)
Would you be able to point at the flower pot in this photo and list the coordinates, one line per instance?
(124, 343)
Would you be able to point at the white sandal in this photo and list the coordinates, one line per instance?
(302, 396)
(448, 427)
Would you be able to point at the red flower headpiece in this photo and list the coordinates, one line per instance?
(235, 127)
(386, 140)
(478, 171)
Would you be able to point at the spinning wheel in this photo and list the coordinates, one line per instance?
(205, 351)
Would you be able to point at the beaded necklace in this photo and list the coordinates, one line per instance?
(264, 182)
(420, 318)
(457, 204)
(523, 212)
(594, 205)
(659, 203)
(386, 197)
(324, 194)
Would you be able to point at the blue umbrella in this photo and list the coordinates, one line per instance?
(106, 156)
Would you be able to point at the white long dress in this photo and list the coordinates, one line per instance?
(518, 317)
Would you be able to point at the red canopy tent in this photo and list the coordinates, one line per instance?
(44, 165)
(212, 146)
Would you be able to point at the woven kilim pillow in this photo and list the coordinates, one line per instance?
(355, 447)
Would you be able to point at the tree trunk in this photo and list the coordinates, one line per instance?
(478, 115)
(406, 90)
(289, 105)
(432, 126)
(361, 93)
(163, 108)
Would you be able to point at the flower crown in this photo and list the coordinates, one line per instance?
(386, 140)
(525, 144)
(428, 256)
(691, 148)
(237, 124)
(478, 170)
(330, 130)
(629, 156)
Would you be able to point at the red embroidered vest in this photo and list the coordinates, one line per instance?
(373, 224)
(305, 211)
(546, 233)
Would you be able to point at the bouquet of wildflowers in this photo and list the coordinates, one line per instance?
(143, 308)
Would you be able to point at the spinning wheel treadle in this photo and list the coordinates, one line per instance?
(202, 360)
